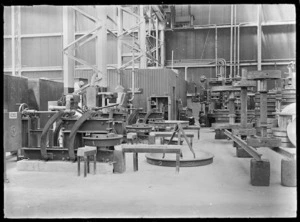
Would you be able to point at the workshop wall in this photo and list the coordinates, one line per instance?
(45, 51)
(156, 82)
(41, 91)
(15, 91)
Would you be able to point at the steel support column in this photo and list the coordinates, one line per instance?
(142, 37)
(101, 45)
(120, 30)
(19, 64)
(156, 42)
(259, 37)
(162, 48)
(68, 36)
(13, 47)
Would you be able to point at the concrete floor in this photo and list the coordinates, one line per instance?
(221, 189)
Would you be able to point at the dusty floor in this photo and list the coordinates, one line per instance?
(221, 189)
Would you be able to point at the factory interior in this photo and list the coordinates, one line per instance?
(149, 111)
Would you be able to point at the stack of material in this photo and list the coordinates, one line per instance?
(287, 96)
(271, 109)
(271, 105)
(221, 115)
(250, 115)
(271, 123)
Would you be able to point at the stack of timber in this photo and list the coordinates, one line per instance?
(221, 115)
(287, 96)
(250, 115)
(271, 105)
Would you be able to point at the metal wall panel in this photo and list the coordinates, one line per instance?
(279, 42)
(194, 74)
(33, 94)
(49, 91)
(44, 90)
(220, 14)
(248, 43)
(207, 44)
(7, 20)
(7, 53)
(278, 12)
(153, 82)
(86, 52)
(41, 19)
(112, 50)
(191, 44)
(223, 44)
(39, 52)
(181, 88)
(15, 91)
(85, 74)
(83, 24)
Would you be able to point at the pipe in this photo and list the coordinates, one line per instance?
(216, 49)
(231, 34)
(132, 76)
(31, 111)
(103, 107)
(234, 44)
(238, 51)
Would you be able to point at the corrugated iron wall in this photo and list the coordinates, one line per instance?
(220, 14)
(158, 82)
(41, 19)
(14, 91)
(278, 41)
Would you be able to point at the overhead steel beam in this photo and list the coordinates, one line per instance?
(82, 37)
(158, 13)
(92, 18)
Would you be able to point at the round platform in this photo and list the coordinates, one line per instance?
(103, 140)
(202, 159)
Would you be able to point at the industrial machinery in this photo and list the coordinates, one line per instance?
(70, 126)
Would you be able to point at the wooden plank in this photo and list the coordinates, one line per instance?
(149, 148)
(168, 134)
(265, 74)
(263, 142)
(244, 131)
